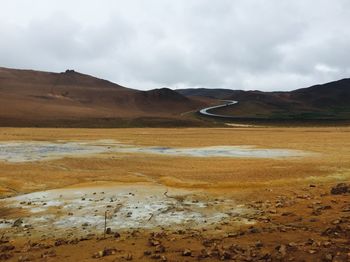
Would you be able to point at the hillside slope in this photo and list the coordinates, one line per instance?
(319, 102)
(30, 98)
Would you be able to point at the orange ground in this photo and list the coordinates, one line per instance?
(279, 189)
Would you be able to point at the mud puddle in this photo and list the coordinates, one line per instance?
(30, 151)
(82, 210)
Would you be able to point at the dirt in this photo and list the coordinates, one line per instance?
(166, 208)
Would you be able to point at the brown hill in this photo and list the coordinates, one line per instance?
(319, 102)
(29, 98)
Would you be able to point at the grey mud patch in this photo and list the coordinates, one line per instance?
(30, 151)
(82, 210)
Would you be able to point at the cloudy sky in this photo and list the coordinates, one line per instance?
(144, 44)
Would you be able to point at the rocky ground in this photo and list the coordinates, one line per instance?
(310, 223)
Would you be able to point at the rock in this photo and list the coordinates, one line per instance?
(163, 258)
(336, 222)
(47, 254)
(160, 249)
(224, 255)
(153, 242)
(282, 249)
(5, 256)
(74, 241)
(128, 257)
(60, 242)
(328, 257)
(6, 248)
(292, 244)
(26, 258)
(155, 256)
(18, 222)
(186, 253)
(98, 254)
(254, 230)
(147, 253)
(327, 244)
(258, 244)
(340, 189)
(109, 251)
(109, 231)
(116, 235)
(333, 231)
(105, 252)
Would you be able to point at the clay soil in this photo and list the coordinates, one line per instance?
(294, 215)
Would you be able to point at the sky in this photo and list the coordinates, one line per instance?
(146, 44)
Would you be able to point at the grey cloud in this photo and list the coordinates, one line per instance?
(240, 44)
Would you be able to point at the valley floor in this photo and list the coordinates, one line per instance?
(176, 196)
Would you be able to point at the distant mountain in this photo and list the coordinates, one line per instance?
(30, 98)
(210, 93)
(326, 101)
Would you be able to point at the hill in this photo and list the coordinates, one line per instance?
(35, 98)
(330, 101)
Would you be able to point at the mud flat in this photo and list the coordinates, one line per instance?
(82, 209)
(28, 151)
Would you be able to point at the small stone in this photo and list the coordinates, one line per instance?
(282, 250)
(5, 256)
(336, 222)
(18, 222)
(60, 242)
(6, 248)
(154, 242)
(116, 235)
(186, 253)
(258, 244)
(329, 257)
(327, 244)
(26, 258)
(109, 251)
(233, 234)
(147, 253)
(98, 254)
(225, 255)
(160, 249)
(155, 256)
(340, 189)
(254, 230)
(47, 254)
(109, 231)
(128, 257)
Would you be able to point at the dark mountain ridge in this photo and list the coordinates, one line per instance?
(326, 101)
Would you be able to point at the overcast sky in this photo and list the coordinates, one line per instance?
(145, 44)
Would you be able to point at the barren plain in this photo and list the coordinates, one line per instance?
(184, 194)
